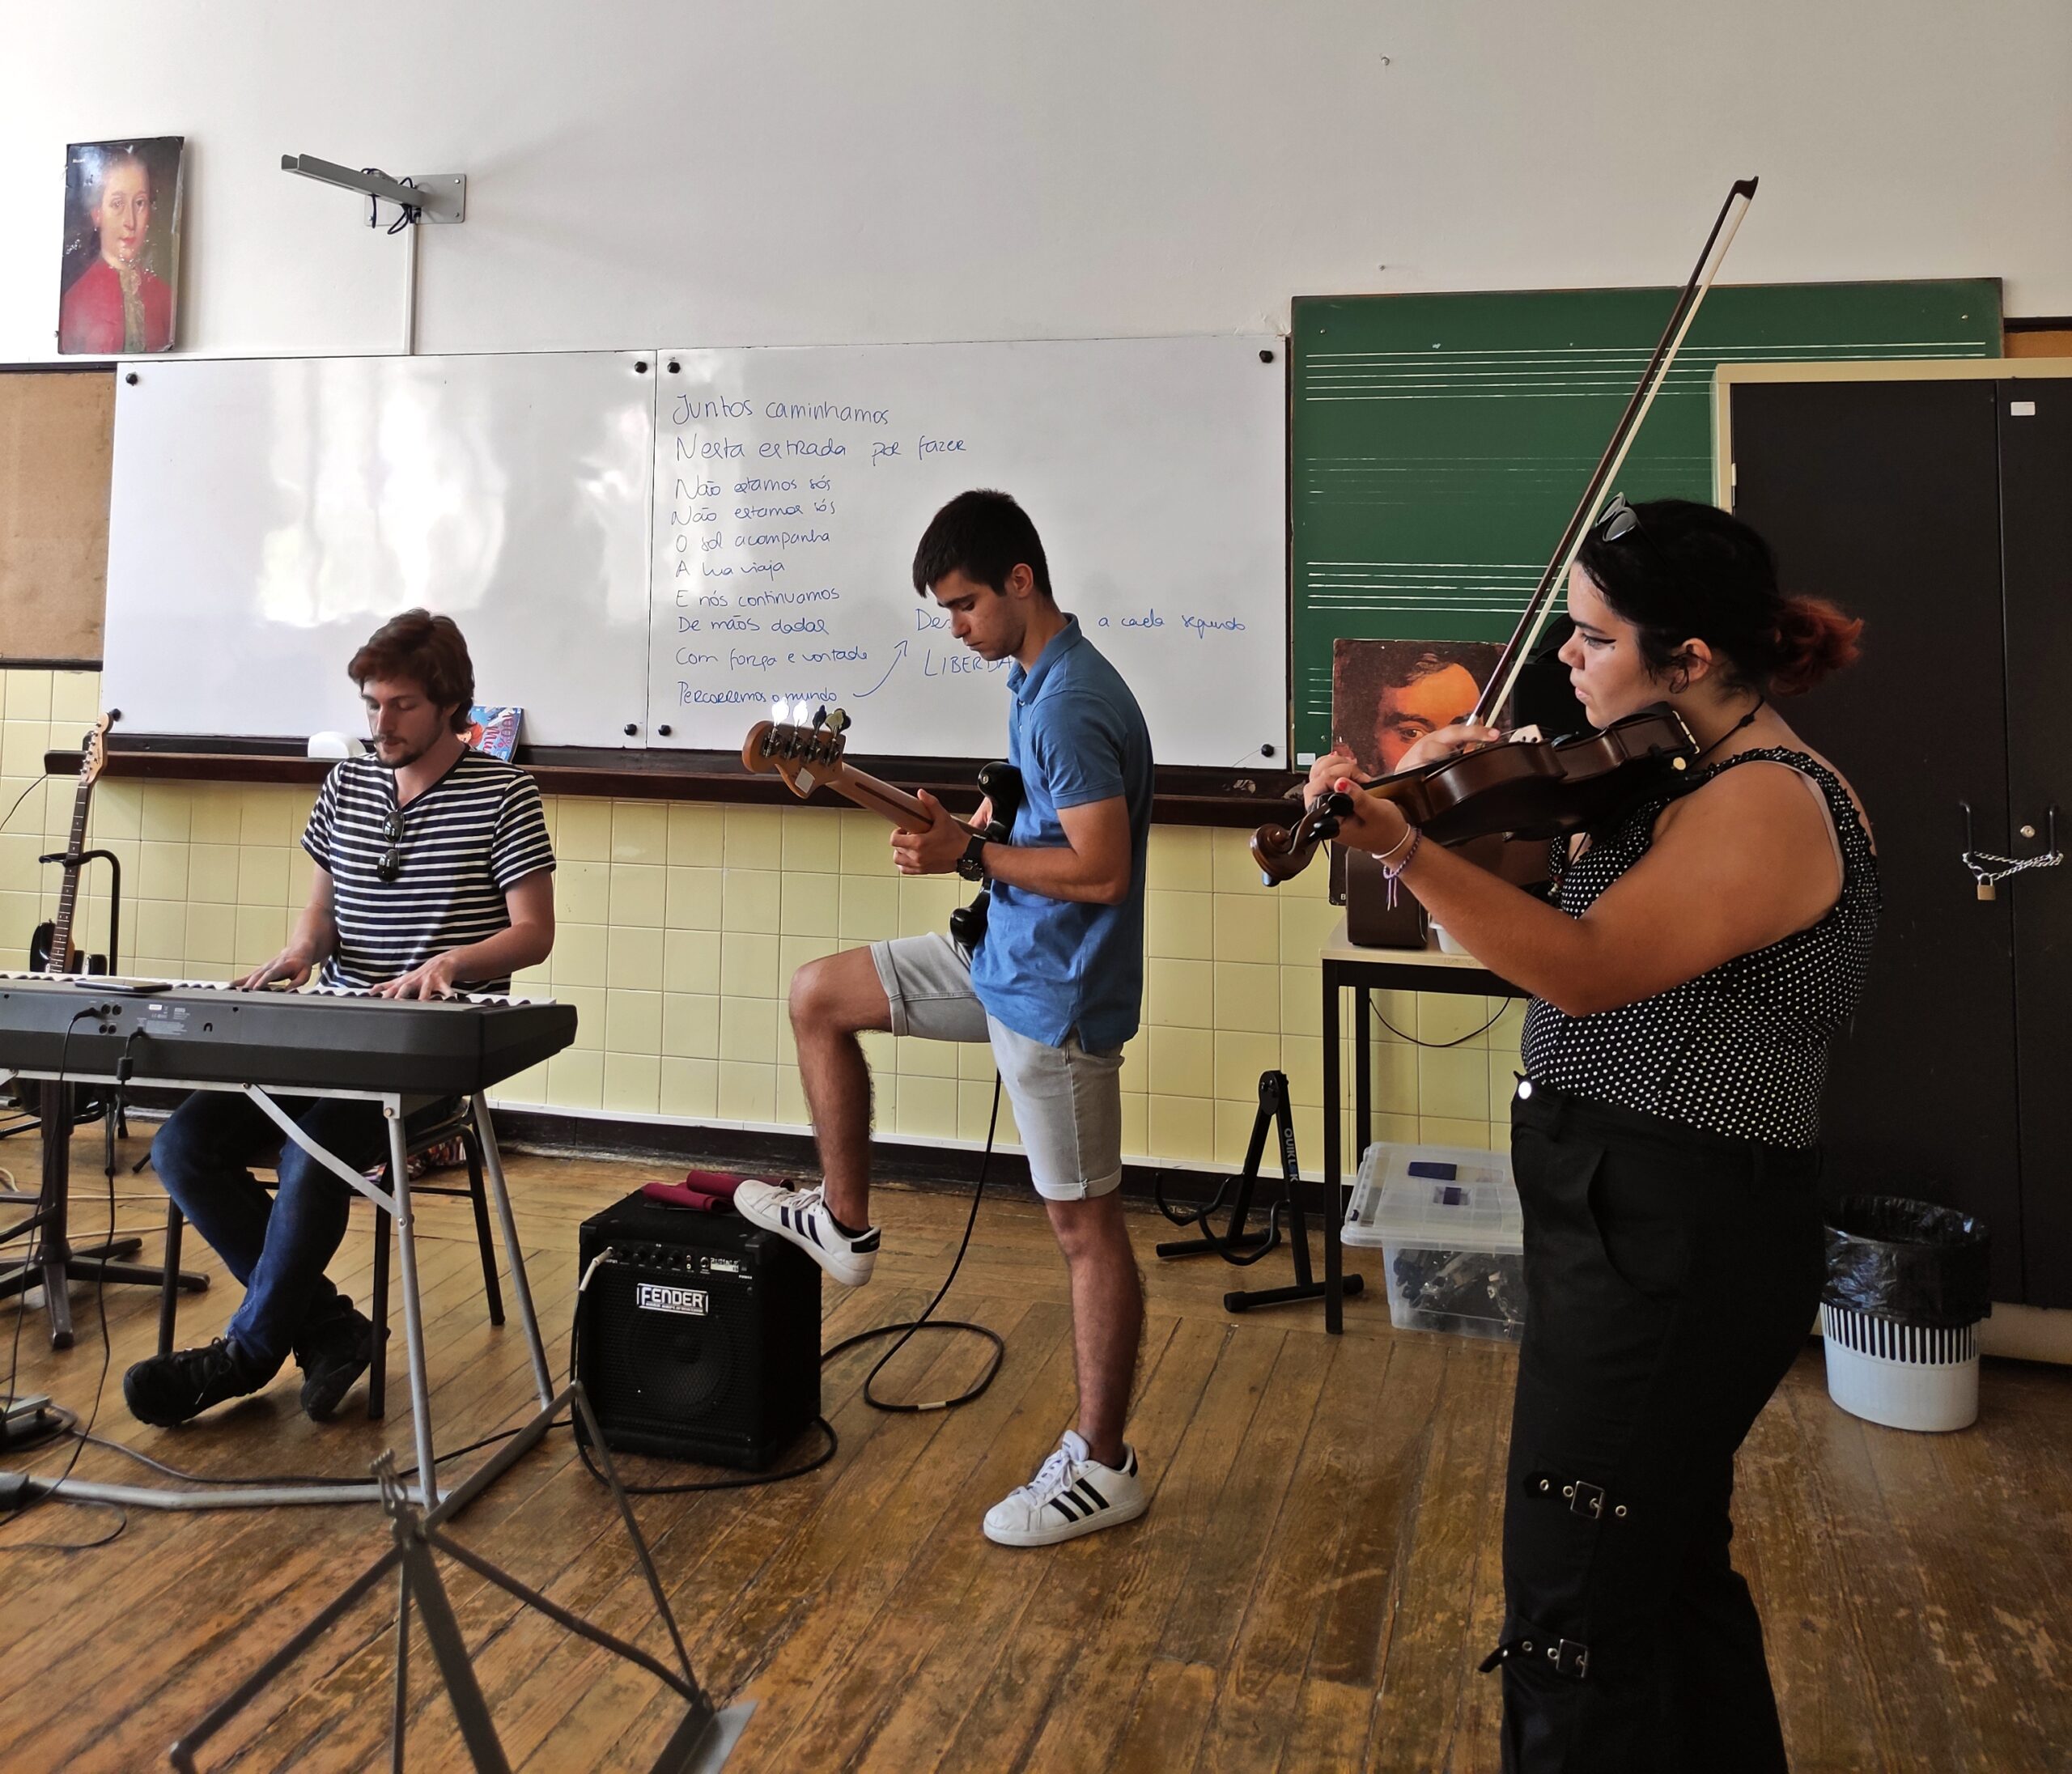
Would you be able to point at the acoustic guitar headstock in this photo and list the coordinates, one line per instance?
(805, 754)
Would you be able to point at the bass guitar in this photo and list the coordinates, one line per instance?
(810, 755)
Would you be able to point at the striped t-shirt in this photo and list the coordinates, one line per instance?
(466, 841)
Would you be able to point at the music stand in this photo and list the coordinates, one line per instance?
(700, 1745)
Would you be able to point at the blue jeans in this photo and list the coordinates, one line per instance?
(277, 1242)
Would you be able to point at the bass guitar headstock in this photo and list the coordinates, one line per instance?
(805, 754)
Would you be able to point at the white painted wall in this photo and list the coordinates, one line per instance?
(736, 171)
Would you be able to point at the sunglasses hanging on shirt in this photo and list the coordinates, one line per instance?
(391, 865)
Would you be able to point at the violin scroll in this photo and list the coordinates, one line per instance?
(1282, 852)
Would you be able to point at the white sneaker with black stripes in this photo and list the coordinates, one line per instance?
(802, 1217)
(1072, 1494)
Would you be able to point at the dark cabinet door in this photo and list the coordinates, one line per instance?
(2036, 504)
(1884, 496)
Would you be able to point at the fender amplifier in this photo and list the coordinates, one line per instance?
(696, 1336)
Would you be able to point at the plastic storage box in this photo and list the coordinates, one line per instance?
(1447, 1221)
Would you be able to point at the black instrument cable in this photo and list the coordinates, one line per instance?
(67, 1424)
(905, 1328)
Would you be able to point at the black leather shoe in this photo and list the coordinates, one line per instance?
(332, 1358)
(167, 1389)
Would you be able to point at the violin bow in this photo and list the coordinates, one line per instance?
(1518, 649)
(1274, 847)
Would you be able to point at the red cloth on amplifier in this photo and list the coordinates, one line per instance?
(721, 1183)
(674, 1194)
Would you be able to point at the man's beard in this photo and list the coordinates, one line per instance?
(404, 762)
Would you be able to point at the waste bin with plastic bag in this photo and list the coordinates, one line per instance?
(1907, 1283)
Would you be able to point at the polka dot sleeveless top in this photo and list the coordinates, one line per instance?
(1741, 1050)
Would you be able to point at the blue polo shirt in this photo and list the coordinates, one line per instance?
(1049, 967)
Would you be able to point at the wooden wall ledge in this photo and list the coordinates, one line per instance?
(1183, 796)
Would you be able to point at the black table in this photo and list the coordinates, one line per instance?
(1366, 971)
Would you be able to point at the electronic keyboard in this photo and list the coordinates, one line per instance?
(204, 1033)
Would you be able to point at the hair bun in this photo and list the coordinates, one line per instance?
(1815, 639)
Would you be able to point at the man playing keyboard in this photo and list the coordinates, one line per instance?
(432, 876)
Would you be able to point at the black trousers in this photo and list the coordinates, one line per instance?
(1672, 1277)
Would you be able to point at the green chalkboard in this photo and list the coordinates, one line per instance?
(1439, 442)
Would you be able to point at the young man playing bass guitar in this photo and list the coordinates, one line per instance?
(1055, 986)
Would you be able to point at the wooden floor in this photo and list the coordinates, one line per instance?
(1312, 1588)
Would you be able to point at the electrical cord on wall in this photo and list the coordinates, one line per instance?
(1458, 1041)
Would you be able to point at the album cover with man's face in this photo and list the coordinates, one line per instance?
(1386, 695)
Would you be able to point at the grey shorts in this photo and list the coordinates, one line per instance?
(1068, 1102)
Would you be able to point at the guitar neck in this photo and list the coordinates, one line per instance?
(68, 895)
(895, 804)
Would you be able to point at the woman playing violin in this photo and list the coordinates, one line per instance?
(1699, 953)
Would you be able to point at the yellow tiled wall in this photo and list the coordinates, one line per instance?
(680, 925)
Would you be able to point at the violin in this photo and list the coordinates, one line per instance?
(1535, 788)
(1523, 788)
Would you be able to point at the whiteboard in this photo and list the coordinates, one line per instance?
(266, 516)
(792, 483)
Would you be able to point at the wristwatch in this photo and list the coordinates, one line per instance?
(971, 865)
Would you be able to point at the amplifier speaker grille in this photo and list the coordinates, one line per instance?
(698, 1336)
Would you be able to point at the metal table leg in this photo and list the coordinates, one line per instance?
(406, 1263)
(520, 1289)
(1334, 1257)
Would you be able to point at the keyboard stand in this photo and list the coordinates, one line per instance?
(424, 1489)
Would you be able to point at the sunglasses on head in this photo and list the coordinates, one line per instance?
(1618, 519)
(391, 864)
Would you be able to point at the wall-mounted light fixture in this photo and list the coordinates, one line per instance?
(437, 196)
(434, 196)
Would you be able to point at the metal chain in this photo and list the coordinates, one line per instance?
(2001, 867)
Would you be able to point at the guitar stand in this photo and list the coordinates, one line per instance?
(1241, 1248)
(698, 1746)
(57, 1261)
(91, 1109)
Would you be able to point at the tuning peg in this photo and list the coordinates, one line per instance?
(820, 717)
(838, 721)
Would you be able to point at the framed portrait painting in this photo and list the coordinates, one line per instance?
(119, 280)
